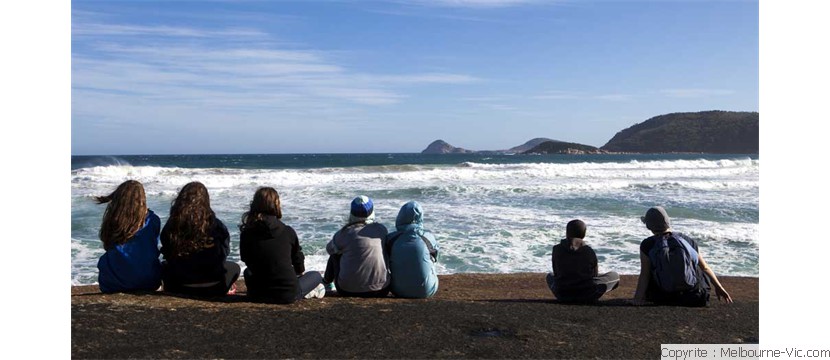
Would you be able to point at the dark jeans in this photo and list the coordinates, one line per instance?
(601, 285)
(697, 297)
(220, 288)
(307, 282)
(333, 269)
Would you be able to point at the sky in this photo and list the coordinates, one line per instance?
(222, 77)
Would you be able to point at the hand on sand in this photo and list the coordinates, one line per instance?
(723, 295)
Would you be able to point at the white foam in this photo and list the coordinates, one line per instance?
(488, 217)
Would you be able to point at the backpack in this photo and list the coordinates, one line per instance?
(674, 263)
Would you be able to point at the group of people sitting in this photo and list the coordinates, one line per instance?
(365, 260)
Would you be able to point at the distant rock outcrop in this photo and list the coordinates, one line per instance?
(528, 145)
(442, 147)
(561, 147)
(717, 132)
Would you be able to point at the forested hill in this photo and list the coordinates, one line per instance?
(718, 132)
(561, 147)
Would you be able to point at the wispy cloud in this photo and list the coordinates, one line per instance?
(559, 95)
(472, 3)
(434, 15)
(225, 74)
(166, 31)
(577, 95)
(695, 93)
(615, 97)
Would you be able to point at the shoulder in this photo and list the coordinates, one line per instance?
(429, 235)
(219, 226)
(647, 244)
(377, 227)
(691, 241)
(290, 231)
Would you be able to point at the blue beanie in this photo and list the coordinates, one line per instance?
(362, 207)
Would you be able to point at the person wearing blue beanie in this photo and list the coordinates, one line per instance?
(356, 263)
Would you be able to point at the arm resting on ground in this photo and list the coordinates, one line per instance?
(642, 281)
(719, 290)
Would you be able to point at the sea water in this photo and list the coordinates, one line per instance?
(489, 213)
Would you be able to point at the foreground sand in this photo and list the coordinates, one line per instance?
(471, 316)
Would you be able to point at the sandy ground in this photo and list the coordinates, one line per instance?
(471, 316)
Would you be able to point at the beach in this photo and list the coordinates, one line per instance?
(471, 316)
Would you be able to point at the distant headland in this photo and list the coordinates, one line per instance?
(710, 132)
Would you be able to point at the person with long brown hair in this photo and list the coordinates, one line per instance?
(195, 245)
(130, 235)
(271, 250)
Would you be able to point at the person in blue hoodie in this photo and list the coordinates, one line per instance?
(412, 252)
(130, 235)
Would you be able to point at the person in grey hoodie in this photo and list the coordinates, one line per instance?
(575, 276)
(356, 263)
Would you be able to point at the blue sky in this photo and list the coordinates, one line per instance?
(391, 76)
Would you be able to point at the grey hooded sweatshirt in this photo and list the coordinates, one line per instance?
(362, 266)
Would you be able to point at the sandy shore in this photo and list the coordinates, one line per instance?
(471, 316)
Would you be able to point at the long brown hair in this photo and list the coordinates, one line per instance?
(125, 213)
(266, 202)
(188, 227)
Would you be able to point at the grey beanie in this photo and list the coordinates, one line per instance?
(656, 219)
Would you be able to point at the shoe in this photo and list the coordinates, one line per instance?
(232, 290)
(318, 293)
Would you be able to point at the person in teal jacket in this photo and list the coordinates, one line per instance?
(412, 252)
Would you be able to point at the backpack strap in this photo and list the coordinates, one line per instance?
(685, 243)
(433, 253)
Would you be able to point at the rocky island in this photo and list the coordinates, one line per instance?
(711, 132)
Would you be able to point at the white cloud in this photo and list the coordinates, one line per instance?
(695, 93)
(86, 29)
(472, 3)
(615, 97)
(559, 95)
(225, 75)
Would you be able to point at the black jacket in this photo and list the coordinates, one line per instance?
(274, 258)
(573, 269)
(204, 266)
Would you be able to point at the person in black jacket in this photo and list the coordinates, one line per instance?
(195, 245)
(575, 276)
(273, 255)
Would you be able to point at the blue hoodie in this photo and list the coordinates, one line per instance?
(410, 261)
(133, 265)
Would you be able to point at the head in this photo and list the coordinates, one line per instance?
(125, 213)
(657, 220)
(266, 202)
(410, 213)
(190, 220)
(362, 210)
(575, 229)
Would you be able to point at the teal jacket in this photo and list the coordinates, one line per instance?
(411, 252)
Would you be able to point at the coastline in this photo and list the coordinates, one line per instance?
(471, 316)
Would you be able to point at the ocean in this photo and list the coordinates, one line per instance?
(490, 213)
